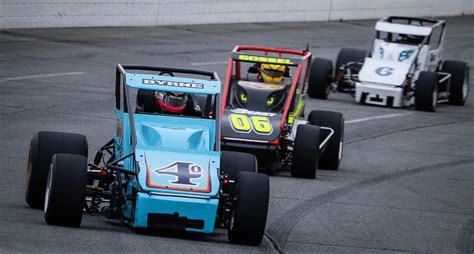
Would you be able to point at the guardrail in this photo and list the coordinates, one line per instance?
(93, 13)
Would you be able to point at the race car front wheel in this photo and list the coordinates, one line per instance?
(234, 162)
(426, 92)
(320, 78)
(306, 152)
(345, 56)
(248, 222)
(332, 153)
(43, 146)
(459, 82)
(65, 190)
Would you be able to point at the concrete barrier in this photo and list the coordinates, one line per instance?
(87, 13)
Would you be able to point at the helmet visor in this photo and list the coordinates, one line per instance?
(272, 73)
(174, 99)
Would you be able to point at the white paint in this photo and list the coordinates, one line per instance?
(43, 76)
(84, 13)
(377, 117)
(209, 63)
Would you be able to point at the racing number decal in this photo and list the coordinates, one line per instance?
(243, 124)
(384, 71)
(240, 123)
(261, 125)
(183, 171)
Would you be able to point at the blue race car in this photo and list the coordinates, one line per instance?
(160, 171)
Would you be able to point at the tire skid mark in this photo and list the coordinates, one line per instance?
(465, 242)
(284, 224)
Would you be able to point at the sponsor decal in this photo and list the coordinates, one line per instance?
(250, 112)
(265, 59)
(381, 52)
(384, 71)
(406, 54)
(172, 83)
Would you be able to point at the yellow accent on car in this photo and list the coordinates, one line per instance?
(243, 97)
(265, 59)
(261, 124)
(297, 112)
(242, 123)
(271, 100)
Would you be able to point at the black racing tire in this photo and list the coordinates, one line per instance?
(426, 92)
(459, 83)
(234, 162)
(332, 153)
(320, 78)
(65, 190)
(306, 152)
(345, 56)
(43, 146)
(250, 215)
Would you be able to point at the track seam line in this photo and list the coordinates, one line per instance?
(352, 246)
(403, 130)
(283, 231)
(46, 75)
(399, 208)
(378, 117)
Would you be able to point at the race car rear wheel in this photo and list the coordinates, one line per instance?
(234, 162)
(320, 78)
(332, 153)
(306, 152)
(248, 222)
(426, 92)
(65, 190)
(345, 56)
(43, 146)
(459, 83)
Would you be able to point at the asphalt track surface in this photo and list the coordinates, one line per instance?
(406, 183)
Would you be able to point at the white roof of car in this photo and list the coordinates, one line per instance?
(403, 28)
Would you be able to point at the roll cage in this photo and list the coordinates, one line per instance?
(123, 90)
(255, 54)
(401, 25)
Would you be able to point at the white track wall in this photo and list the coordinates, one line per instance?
(86, 13)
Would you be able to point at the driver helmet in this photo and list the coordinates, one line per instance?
(171, 102)
(272, 73)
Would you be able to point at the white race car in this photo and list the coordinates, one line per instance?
(404, 67)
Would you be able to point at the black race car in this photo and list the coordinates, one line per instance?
(267, 118)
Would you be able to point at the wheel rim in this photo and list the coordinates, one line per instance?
(328, 85)
(48, 189)
(465, 86)
(328, 89)
(340, 150)
(28, 172)
(435, 99)
(231, 222)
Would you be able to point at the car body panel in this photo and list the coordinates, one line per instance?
(175, 158)
(250, 125)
